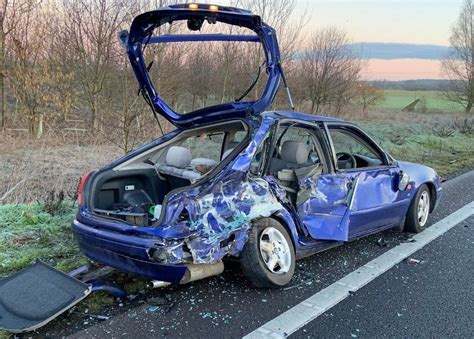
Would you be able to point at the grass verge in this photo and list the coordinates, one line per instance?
(28, 232)
(448, 155)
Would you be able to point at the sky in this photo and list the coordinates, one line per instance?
(426, 22)
(405, 21)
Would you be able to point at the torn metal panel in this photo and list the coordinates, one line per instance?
(213, 220)
(218, 221)
(323, 212)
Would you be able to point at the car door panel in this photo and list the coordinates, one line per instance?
(375, 202)
(324, 211)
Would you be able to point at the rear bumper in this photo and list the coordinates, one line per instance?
(123, 252)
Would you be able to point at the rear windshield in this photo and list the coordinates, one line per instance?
(189, 76)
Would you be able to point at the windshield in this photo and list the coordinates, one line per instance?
(192, 75)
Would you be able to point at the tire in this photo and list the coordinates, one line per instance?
(418, 213)
(255, 259)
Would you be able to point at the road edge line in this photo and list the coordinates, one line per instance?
(309, 309)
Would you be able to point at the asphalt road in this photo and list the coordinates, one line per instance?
(432, 298)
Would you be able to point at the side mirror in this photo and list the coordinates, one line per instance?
(404, 181)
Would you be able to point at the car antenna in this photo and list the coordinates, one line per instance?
(288, 92)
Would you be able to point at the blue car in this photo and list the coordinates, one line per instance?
(236, 180)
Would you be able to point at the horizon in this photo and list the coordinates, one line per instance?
(418, 23)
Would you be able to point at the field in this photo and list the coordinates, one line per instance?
(435, 101)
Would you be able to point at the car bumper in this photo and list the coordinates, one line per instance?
(124, 252)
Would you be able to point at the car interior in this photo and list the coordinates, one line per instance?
(129, 190)
(296, 156)
(352, 151)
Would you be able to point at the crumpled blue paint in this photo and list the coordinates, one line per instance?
(220, 212)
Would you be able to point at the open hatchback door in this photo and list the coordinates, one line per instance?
(145, 30)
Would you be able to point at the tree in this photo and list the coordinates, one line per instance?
(33, 78)
(459, 65)
(368, 95)
(328, 70)
(11, 13)
(88, 40)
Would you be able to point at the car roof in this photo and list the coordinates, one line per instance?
(299, 116)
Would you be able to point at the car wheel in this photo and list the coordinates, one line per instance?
(268, 257)
(419, 210)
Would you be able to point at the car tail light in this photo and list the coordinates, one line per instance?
(80, 188)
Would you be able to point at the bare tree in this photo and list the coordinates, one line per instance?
(33, 78)
(88, 40)
(328, 70)
(368, 95)
(459, 65)
(11, 13)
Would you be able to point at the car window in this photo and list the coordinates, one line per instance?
(239, 136)
(205, 145)
(302, 135)
(346, 143)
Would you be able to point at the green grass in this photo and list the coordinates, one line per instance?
(435, 101)
(28, 232)
(418, 143)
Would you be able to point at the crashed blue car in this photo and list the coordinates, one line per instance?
(235, 180)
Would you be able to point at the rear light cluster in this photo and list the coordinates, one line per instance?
(80, 188)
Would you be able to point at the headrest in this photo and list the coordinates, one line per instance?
(178, 156)
(294, 151)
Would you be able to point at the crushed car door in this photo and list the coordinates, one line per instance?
(323, 211)
(301, 165)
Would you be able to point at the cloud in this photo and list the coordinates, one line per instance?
(392, 51)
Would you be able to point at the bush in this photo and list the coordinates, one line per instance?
(444, 130)
(54, 203)
(464, 126)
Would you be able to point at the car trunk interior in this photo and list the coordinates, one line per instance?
(134, 191)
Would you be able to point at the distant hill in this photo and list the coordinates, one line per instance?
(391, 51)
(412, 85)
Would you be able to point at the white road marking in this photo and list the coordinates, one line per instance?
(311, 308)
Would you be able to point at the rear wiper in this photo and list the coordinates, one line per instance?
(252, 85)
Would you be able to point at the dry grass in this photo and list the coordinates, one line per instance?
(30, 169)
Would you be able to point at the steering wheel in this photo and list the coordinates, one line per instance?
(346, 160)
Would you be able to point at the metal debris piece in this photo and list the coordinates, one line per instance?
(99, 317)
(382, 242)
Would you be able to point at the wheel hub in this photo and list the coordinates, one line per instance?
(423, 208)
(275, 251)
